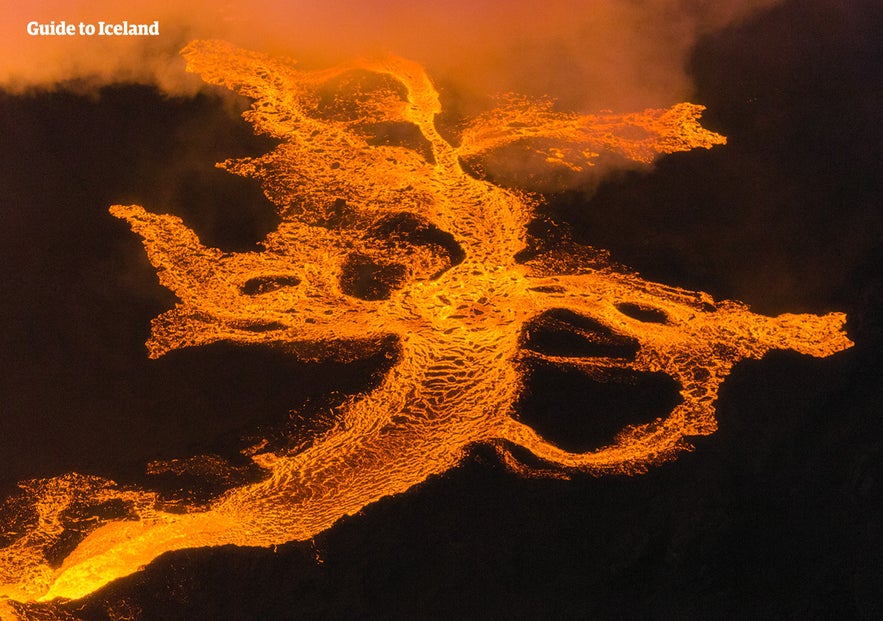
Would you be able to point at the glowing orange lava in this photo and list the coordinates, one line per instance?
(359, 156)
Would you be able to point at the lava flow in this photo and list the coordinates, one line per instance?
(384, 234)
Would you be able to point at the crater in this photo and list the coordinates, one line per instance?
(419, 232)
(265, 284)
(579, 413)
(561, 332)
(357, 94)
(363, 278)
(399, 134)
(647, 314)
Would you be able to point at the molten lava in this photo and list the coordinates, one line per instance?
(360, 178)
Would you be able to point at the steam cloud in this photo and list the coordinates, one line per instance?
(617, 54)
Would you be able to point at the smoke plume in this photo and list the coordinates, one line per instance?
(616, 54)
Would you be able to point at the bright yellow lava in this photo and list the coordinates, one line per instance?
(358, 147)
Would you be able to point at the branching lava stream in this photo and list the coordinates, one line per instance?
(359, 154)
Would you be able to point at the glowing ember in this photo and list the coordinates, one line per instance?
(383, 233)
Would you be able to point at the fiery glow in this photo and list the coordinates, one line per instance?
(383, 233)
